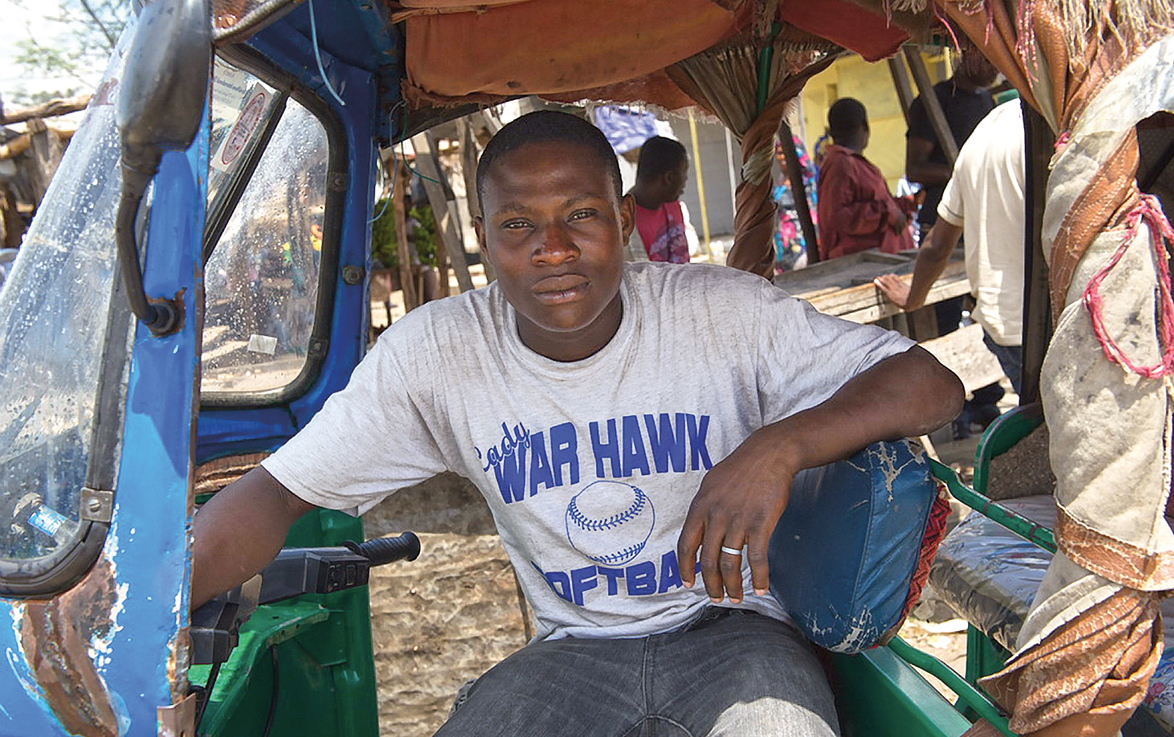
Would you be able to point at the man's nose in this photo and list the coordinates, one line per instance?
(556, 246)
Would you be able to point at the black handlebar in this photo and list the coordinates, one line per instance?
(294, 572)
(387, 549)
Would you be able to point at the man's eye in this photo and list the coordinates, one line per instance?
(515, 224)
(582, 214)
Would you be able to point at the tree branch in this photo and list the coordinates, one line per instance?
(110, 39)
(49, 109)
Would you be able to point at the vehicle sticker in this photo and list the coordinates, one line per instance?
(47, 521)
(246, 126)
(262, 344)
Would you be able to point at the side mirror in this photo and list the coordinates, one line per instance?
(160, 106)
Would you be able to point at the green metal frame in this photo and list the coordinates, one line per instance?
(973, 698)
(318, 646)
(984, 656)
(1013, 521)
(879, 695)
(1002, 435)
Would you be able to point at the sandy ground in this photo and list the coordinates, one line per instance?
(452, 614)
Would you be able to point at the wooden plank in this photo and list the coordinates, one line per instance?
(411, 299)
(941, 292)
(880, 257)
(923, 324)
(840, 272)
(867, 297)
(963, 353)
(429, 165)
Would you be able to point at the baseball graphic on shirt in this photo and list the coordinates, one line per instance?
(609, 522)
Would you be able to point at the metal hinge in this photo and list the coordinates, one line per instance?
(177, 720)
(97, 505)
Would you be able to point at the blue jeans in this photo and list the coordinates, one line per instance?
(732, 672)
(1010, 359)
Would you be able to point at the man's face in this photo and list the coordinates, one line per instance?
(554, 229)
(975, 67)
(675, 180)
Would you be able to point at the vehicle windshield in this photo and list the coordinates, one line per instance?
(261, 281)
(54, 311)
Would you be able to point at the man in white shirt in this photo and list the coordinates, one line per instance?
(982, 205)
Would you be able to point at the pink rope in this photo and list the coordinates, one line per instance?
(1064, 139)
(1025, 43)
(937, 11)
(1160, 234)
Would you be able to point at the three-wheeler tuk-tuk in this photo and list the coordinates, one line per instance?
(195, 286)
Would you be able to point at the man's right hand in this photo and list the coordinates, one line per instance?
(895, 289)
(239, 531)
(899, 222)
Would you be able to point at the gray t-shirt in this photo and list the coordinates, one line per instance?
(588, 467)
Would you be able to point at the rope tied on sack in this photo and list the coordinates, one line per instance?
(1161, 234)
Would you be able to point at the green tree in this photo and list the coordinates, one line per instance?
(78, 38)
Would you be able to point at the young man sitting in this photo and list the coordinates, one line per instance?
(607, 466)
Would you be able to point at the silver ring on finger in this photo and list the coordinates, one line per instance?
(731, 551)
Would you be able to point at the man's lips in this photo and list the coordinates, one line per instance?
(558, 289)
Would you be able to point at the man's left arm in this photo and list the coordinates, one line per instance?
(742, 497)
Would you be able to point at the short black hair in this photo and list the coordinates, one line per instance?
(546, 126)
(658, 155)
(845, 117)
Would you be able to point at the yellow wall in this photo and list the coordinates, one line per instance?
(872, 84)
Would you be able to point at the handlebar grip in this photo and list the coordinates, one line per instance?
(387, 549)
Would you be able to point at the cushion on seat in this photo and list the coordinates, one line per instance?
(988, 574)
(844, 556)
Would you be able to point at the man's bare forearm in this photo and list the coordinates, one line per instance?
(932, 258)
(904, 395)
(742, 497)
(239, 531)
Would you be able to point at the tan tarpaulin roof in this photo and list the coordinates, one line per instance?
(568, 47)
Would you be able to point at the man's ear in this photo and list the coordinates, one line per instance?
(479, 228)
(627, 216)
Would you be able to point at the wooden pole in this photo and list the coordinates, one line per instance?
(937, 118)
(1037, 313)
(700, 181)
(469, 170)
(734, 175)
(428, 164)
(49, 109)
(799, 192)
(407, 284)
(901, 85)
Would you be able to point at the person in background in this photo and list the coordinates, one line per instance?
(661, 232)
(965, 100)
(790, 245)
(856, 210)
(983, 205)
